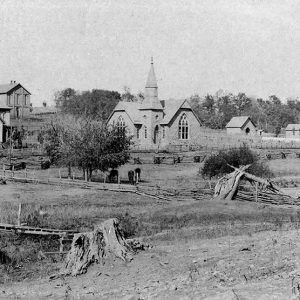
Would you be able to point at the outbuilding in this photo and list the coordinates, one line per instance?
(241, 125)
(292, 131)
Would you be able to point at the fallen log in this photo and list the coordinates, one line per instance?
(229, 187)
(95, 246)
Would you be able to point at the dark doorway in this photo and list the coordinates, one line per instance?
(156, 132)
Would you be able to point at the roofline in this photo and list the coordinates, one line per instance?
(248, 118)
(15, 87)
(121, 110)
(185, 100)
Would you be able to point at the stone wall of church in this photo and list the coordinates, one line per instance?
(194, 129)
(128, 123)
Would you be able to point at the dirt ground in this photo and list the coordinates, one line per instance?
(260, 266)
(199, 249)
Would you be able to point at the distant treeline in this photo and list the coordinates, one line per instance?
(215, 111)
(270, 115)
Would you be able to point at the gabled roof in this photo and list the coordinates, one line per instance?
(131, 108)
(293, 127)
(5, 88)
(171, 107)
(238, 122)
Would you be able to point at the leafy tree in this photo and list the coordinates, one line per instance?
(60, 97)
(218, 164)
(95, 104)
(87, 144)
(241, 103)
(270, 115)
(127, 96)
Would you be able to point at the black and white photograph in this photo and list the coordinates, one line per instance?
(150, 149)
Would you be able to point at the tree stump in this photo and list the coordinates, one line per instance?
(93, 247)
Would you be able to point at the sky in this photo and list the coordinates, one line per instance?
(199, 47)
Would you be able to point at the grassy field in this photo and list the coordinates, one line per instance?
(141, 216)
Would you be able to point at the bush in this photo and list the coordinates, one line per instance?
(218, 164)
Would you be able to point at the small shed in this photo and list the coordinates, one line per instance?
(241, 125)
(292, 131)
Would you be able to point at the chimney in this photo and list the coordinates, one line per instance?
(11, 82)
(14, 81)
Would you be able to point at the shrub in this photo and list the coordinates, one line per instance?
(218, 164)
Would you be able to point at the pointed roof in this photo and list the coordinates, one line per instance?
(293, 127)
(172, 106)
(151, 81)
(5, 88)
(238, 122)
(132, 110)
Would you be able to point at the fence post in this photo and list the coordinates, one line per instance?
(4, 171)
(25, 172)
(59, 174)
(13, 172)
(19, 214)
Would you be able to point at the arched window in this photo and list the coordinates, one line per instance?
(146, 132)
(183, 129)
(121, 124)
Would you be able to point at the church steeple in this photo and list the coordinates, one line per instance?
(151, 90)
(151, 81)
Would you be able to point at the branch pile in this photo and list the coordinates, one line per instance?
(93, 247)
(240, 185)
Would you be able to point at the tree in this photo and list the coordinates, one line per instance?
(60, 97)
(241, 103)
(95, 104)
(218, 164)
(87, 144)
(127, 96)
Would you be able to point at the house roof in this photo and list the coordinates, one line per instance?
(293, 127)
(171, 106)
(5, 88)
(131, 108)
(135, 110)
(238, 122)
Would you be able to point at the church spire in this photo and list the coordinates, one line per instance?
(151, 91)
(151, 81)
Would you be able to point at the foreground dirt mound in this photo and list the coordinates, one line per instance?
(95, 246)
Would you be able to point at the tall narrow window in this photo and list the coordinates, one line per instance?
(120, 125)
(183, 128)
(164, 132)
(293, 131)
(146, 132)
(137, 132)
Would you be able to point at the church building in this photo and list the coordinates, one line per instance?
(156, 123)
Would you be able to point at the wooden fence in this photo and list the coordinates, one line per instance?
(32, 176)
